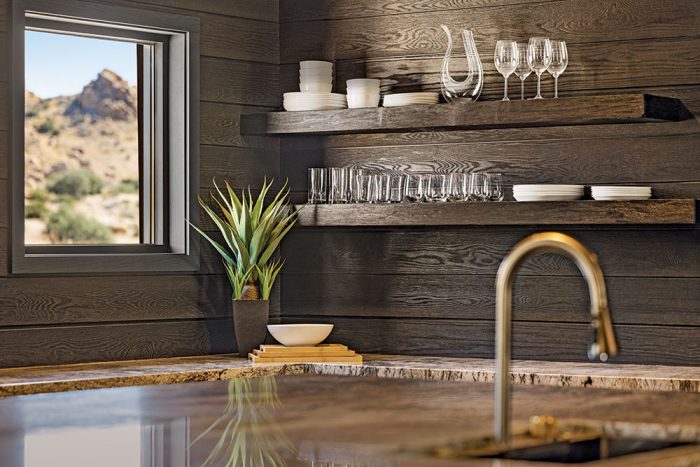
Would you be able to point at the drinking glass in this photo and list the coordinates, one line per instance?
(506, 60)
(366, 189)
(381, 186)
(523, 70)
(396, 188)
(493, 186)
(476, 187)
(318, 185)
(539, 57)
(560, 59)
(458, 186)
(339, 185)
(413, 187)
(353, 173)
(438, 188)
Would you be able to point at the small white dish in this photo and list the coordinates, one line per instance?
(299, 335)
(315, 86)
(315, 64)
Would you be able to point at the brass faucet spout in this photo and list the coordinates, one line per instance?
(604, 345)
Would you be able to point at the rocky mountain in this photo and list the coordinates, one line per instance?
(95, 130)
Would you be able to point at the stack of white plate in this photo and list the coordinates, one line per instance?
(547, 192)
(300, 101)
(608, 193)
(410, 98)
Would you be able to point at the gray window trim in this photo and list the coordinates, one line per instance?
(176, 165)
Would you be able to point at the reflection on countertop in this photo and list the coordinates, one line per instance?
(299, 420)
(35, 380)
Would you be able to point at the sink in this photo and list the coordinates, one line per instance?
(573, 442)
(587, 450)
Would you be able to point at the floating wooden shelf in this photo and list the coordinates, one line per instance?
(655, 211)
(582, 110)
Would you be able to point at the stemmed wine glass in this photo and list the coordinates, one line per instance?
(560, 59)
(523, 69)
(539, 57)
(506, 61)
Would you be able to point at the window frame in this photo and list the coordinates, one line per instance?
(173, 134)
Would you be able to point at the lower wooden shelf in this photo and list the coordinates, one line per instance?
(583, 212)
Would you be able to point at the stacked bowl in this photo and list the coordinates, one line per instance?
(609, 193)
(315, 76)
(363, 92)
(315, 83)
(547, 192)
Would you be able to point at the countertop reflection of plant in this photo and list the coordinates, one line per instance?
(250, 437)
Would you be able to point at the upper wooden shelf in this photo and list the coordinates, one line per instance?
(655, 211)
(582, 110)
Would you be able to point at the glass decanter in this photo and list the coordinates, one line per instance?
(469, 89)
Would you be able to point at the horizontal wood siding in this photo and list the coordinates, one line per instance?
(422, 290)
(49, 319)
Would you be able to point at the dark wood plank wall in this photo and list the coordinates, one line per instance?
(49, 319)
(431, 290)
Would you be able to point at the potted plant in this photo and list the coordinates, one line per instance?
(251, 231)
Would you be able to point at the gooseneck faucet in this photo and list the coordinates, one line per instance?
(587, 262)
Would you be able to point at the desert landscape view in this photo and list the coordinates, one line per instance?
(82, 165)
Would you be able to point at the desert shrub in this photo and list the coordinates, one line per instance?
(128, 185)
(67, 225)
(35, 208)
(48, 126)
(31, 113)
(75, 183)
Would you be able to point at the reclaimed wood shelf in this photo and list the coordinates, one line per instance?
(581, 110)
(584, 212)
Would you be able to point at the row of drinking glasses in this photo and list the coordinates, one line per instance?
(540, 54)
(340, 185)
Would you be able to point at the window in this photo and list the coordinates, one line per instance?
(104, 139)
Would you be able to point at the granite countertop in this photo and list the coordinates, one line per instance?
(307, 419)
(33, 380)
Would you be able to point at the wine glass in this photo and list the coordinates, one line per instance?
(560, 59)
(523, 69)
(539, 57)
(506, 61)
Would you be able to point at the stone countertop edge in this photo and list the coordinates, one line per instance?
(46, 379)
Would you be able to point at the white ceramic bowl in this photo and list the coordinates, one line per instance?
(297, 335)
(363, 84)
(315, 64)
(315, 86)
(357, 100)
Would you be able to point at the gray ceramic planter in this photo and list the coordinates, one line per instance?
(250, 324)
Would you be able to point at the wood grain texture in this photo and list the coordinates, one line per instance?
(241, 166)
(235, 82)
(5, 15)
(504, 213)
(307, 10)
(4, 153)
(239, 39)
(220, 126)
(588, 110)
(4, 107)
(415, 34)
(263, 10)
(535, 341)
(75, 344)
(474, 250)
(660, 301)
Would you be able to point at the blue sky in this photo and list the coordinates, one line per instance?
(61, 65)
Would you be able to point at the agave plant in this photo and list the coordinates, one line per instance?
(251, 232)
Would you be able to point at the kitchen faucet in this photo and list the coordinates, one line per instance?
(587, 262)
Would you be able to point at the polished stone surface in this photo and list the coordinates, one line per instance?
(34, 380)
(303, 420)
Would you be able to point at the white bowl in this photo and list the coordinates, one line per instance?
(298, 335)
(315, 64)
(364, 84)
(315, 86)
(361, 100)
(318, 74)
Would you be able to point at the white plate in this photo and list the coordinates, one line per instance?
(313, 94)
(547, 198)
(297, 335)
(548, 186)
(305, 108)
(621, 198)
(432, 95)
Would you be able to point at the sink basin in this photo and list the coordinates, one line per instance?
(586, 451)
(573, 442)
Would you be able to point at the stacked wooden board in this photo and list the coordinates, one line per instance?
(323, 353)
